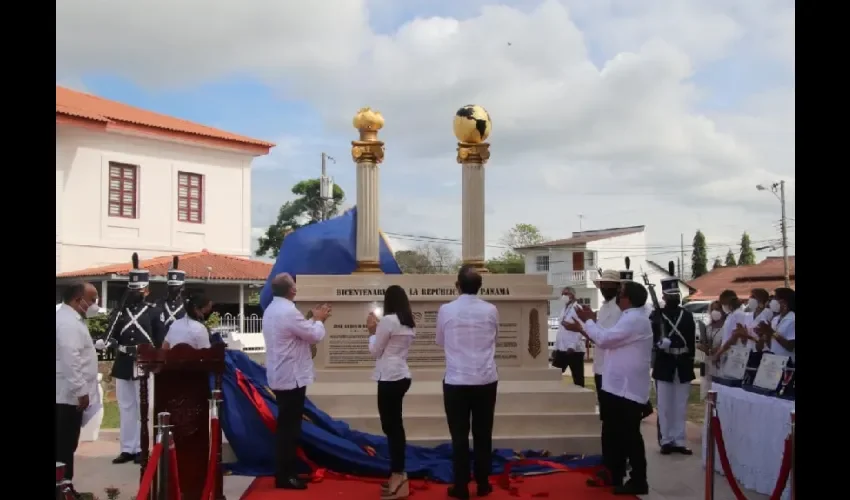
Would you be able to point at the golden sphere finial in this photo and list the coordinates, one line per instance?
(368, 122)
(472, 124)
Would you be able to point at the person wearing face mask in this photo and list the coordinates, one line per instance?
(780, 336)
(735, 327)
(609, 286)
(172, 307)
(569, 346)
(761, 313)
(76, 370)
(673, 369)
(137, 323)
(190, 329)
(710, 342)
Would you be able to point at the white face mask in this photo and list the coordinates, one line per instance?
(774, 306)
(726, 309)
(752, 304)
(565, 299)
(92, 310)
(716, 315)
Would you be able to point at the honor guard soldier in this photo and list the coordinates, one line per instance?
(172, 306)
(137, 322)
(673, 369)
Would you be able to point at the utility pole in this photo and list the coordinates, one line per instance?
(580, 217)
(784, 224)
(682, 260)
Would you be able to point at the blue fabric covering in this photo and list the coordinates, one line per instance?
(327, 247)
(331, 443)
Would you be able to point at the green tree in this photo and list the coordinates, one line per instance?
(730, 259)
(307, 208)
(699, 256)
(428, 259)
(747, 257)
(717, 263)
(511, 262)
(413, 262)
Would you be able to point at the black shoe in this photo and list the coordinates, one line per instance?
(292, 483)
(632, 488)
(484, 489)
(683, 450)
(124, 458)
(458, 492)
(667, 449)
(137, 458)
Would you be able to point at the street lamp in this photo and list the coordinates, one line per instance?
(778, 190)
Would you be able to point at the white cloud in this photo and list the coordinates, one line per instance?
(567, 128)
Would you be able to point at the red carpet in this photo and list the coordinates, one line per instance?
(555, 486)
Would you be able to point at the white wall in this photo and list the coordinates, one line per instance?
(86, 236)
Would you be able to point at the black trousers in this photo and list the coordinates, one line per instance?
(622, 441)
(69, 421)
(597, 379)
(290, 411)
(478, 403)
(390, 399)
(575, 362)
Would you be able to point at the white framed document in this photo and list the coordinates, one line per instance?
(138, 371)
(735, 365)
(770, 372)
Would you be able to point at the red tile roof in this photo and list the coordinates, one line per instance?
(767, 274)
(78, 108)
(224, 267)
(580, 238)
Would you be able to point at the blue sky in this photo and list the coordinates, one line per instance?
(722, 93)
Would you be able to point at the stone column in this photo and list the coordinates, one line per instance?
(368, 153)
(473, 157)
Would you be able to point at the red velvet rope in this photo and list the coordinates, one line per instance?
(147, 477)
(215, 437)
(784, 470)
(174, 485)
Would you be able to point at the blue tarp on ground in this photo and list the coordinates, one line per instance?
(332, 443)
(327, 247)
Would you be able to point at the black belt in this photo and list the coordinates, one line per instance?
(128, 349)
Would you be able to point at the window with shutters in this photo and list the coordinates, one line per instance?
(123, 190)
(190, 197)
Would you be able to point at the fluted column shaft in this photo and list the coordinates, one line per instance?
(473, 158)
(367, 217)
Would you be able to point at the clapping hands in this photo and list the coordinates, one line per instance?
(372, 322)
(585, 314)
(321, 312)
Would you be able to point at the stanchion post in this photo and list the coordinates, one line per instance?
(793, 450)
(710, 403)
(216, 413)
(164, 420)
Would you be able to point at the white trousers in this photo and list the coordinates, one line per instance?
(673, 411)
(127, 393)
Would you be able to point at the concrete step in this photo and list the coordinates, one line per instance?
(426, 398)
(437, 374)
(433, 425)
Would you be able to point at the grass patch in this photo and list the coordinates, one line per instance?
(110, 415)
(696, 407)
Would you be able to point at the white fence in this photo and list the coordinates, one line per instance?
(248, 334)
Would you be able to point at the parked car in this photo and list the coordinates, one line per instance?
(553, 333)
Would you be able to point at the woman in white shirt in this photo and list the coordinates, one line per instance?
(735, 326)
(190, 329)
(710, 343)
(392, 336)
(758, 304)
(780, 337)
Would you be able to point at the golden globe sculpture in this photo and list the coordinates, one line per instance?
(472, 124)
(368, 122)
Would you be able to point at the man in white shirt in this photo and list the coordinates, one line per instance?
(467, 329)
(289, 369)
(569, 346)
(625, 387)
(76, 369)
(608, 315)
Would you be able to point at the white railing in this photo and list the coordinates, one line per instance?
(567, 278)
(253, 323)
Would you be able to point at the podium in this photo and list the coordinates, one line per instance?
(182, 388)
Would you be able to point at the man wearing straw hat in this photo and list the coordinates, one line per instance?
(609, 285)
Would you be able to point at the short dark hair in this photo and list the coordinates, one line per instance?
(74, 291)
(761, 295)
(468, 280)
(729, 296)
(635, 292)
(396, 302)
(789, 296)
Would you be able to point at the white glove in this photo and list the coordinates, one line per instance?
(100, 345)
(664, 344)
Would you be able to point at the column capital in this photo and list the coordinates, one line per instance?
(367, 151)
(473, 153)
